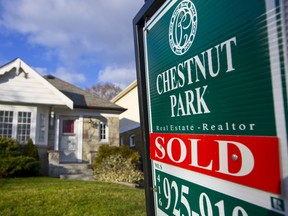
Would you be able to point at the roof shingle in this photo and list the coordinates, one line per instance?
(80, 97)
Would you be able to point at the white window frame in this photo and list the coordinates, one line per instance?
(42, 128)
(7, 134)
(42, 111)
(17, 109)
(106, 139)
(132, 140)
(24, 126)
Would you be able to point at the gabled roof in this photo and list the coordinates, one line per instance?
(125, 91)
(19, 83)
(82, 98)
(22, 84)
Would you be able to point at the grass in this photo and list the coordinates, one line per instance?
(50, 196)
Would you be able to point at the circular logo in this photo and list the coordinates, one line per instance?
(182, 27)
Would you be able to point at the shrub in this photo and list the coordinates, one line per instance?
(9, 147)
(106, 151)
(17, 163)
(114, 163)
(116, 168)
(30, 149)
(20, 166)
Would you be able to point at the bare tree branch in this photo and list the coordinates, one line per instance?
(105, 90)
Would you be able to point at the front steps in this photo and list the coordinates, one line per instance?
(72, 171)
(82, 177)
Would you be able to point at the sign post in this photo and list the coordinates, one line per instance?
(212, 80)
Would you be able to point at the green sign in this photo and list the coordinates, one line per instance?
(215, 75)
(179, 197)
(209, 68)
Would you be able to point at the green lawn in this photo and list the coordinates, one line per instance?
(51, 196)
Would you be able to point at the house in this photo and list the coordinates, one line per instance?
(130, 131)
(66, 123)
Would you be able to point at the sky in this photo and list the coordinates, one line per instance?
(83, 42)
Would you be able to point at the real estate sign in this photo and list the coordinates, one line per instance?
(217, 102)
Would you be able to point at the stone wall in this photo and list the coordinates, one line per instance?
(91, 141)
(53, 158)
(113, 124)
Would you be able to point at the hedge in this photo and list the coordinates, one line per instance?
(120, 164)
(16, 160)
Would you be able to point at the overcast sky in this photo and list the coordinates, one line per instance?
(81, 41)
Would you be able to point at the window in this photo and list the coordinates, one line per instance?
(132, 140)
(42, 127)
(68, 126)
(23, 126)
(6, 123)
(103, 131)
(18, 122)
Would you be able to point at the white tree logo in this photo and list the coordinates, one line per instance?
(183, 26)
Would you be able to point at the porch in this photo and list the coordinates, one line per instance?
(73, 171)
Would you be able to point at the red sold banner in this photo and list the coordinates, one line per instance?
(252, 161)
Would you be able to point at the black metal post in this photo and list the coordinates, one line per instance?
(149, 8)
